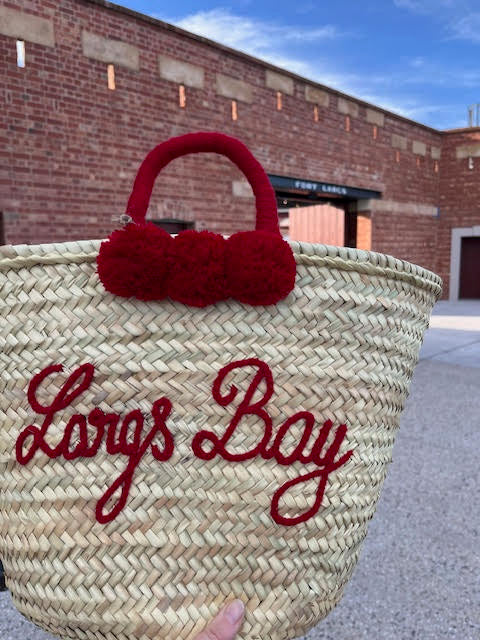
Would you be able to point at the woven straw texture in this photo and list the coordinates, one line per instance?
(194, 533)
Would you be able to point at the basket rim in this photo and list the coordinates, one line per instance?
(15, 257)
(363, 256)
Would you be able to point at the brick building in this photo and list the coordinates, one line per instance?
(88, 88)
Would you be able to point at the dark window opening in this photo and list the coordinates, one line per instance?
(2, 229)
(172, 225)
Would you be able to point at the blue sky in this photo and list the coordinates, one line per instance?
(419, 58)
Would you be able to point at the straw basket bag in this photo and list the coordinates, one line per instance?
(188, 420)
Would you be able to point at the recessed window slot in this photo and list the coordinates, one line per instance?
(234, 110)
(21, 54)
(375, 131)
(279, 100)
(397, 156)
(182, 97)
(111, 77)
(316, 115)
(435, 166)
(347, 123)
(418, 161)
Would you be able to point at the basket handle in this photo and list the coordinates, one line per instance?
(236, 151)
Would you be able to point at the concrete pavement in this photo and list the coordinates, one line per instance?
(418, 574)
(454, 334)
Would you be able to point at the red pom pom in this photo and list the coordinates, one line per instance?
(260, 267)
(198, 272)
(135, 261)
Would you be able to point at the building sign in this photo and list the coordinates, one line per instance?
(281, 183)
(320, 186)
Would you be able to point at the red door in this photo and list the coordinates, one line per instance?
(470, 268)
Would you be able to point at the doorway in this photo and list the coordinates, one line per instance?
(465, 263)
(307, 220)
(470, 268)
(320, 212)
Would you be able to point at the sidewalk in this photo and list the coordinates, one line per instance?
(454, 334)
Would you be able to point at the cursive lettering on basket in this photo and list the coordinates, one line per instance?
(326, 461)
(129, 439)
(104, 423)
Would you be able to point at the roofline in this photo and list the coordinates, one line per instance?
(245, 56)
(461, 130)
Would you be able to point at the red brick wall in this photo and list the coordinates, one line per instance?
(70, 148)
(406, 236)
(459, 191)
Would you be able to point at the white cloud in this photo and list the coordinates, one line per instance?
(467, 28)
(418, 62)
(246, 33)
(430, 73)
(425, 6)
(306, 7)
(267, 40)
(460, 21)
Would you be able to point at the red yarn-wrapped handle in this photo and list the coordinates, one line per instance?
(236, 151)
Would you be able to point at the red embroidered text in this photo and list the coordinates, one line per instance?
(33, 437)
(129, 439)
(325, 460)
